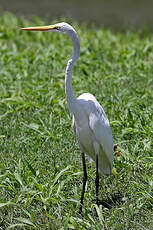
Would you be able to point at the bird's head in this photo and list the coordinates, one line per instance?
(61, 27)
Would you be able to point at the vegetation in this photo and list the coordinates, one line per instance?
(40, 161)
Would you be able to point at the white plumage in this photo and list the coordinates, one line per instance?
(90, 122)
(93, 131)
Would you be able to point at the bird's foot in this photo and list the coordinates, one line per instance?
(80, 210)
(97, 201)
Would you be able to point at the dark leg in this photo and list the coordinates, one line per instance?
(84, 181)
(97, 179)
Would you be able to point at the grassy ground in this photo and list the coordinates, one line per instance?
(40, 162)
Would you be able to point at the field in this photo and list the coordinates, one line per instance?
(40, 161)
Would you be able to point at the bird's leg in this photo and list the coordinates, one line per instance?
(97, 179)
(84, 181)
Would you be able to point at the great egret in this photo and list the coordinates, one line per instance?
(89, 120)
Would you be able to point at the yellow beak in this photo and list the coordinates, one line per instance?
(40, 28)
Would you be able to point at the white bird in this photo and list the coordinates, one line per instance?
(90, 123)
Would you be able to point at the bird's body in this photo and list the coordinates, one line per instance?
(91, 128)
(90, 122)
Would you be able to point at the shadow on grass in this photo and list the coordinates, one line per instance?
(112, 201)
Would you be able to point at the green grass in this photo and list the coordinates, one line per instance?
(40, 161)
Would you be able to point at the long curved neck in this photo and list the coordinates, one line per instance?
(70, 97)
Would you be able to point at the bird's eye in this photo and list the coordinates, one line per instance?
(57, 27)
